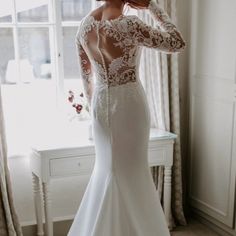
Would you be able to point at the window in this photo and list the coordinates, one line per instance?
(38, 63)
(37, 41)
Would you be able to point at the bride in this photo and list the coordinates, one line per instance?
(120, 198)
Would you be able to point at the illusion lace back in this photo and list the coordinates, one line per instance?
(120, 198)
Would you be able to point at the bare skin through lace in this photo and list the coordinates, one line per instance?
(112, 48)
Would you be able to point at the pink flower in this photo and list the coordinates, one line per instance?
(77, 102)
(78, 108)
(71, 96)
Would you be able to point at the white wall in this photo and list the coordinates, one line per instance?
(212, 111)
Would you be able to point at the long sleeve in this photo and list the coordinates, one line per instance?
(165, 37)
(85, 70)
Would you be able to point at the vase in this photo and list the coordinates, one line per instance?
(84, 115)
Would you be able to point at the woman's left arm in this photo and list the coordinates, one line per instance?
(86, 70)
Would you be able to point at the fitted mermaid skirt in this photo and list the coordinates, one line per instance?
(120, 198)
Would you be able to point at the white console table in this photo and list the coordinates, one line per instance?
(68, 153)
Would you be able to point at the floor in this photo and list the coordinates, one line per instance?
(194, 228)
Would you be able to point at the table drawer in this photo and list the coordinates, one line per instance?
(71, 166)
(156, 156)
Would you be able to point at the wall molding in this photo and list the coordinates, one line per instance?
(210, 222)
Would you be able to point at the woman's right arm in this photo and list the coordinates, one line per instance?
(166, 38)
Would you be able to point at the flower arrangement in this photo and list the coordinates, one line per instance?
(79, 105)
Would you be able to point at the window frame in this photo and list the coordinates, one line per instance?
(55, 28)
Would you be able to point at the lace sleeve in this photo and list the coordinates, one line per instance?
(85, 70)
(165, 37)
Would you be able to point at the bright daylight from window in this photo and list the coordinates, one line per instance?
(39, 66)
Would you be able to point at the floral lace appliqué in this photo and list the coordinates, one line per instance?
(119, 42)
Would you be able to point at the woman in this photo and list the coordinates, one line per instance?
(120, 198)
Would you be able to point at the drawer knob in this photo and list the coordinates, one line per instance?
(78, 163)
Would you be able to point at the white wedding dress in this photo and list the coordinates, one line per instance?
(120, 198)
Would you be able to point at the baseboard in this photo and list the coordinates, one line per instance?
(60, 228)
(55, 219)
(210, 222)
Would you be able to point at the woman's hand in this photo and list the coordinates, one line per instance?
(138, 4)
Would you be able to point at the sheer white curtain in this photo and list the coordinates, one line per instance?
(9, 224)
(160, 76)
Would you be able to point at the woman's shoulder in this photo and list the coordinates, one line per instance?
(84, 26)
(133, 18)
(96, 14)
(86, 21)
(93, 17)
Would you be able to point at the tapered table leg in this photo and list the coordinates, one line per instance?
(38, 203)
(47, 208)
(167, 193)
